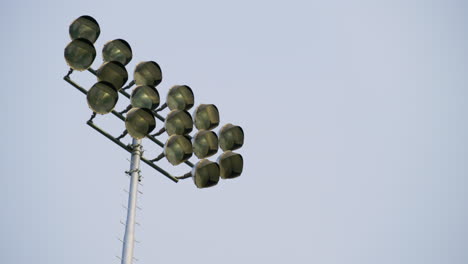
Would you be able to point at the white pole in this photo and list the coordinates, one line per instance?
(129, 238)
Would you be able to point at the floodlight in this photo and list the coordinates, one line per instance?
(117, 50)
(113, 72)
(180, 97)
(102, 97)
(206, 116)
(205, 174)
(85, 27)
(147, 73)
(145, 96)
(80, 54)
(230, 165)
(205, 144)
(139, 122)
(178, 122)
(177, 149)
(231, 137)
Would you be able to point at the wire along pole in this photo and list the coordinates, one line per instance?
(129, 238)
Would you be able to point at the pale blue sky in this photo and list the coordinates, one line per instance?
(355, 118)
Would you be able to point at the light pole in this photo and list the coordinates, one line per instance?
(129, 237)
(141, 114)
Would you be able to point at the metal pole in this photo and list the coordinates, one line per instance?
(129, 238)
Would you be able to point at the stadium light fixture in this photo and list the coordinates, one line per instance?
(142, 115)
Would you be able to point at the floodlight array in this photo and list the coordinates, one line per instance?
(141, 114)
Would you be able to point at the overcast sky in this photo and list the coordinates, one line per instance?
(354, 115)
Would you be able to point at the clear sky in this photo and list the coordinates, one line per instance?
(355, 117)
